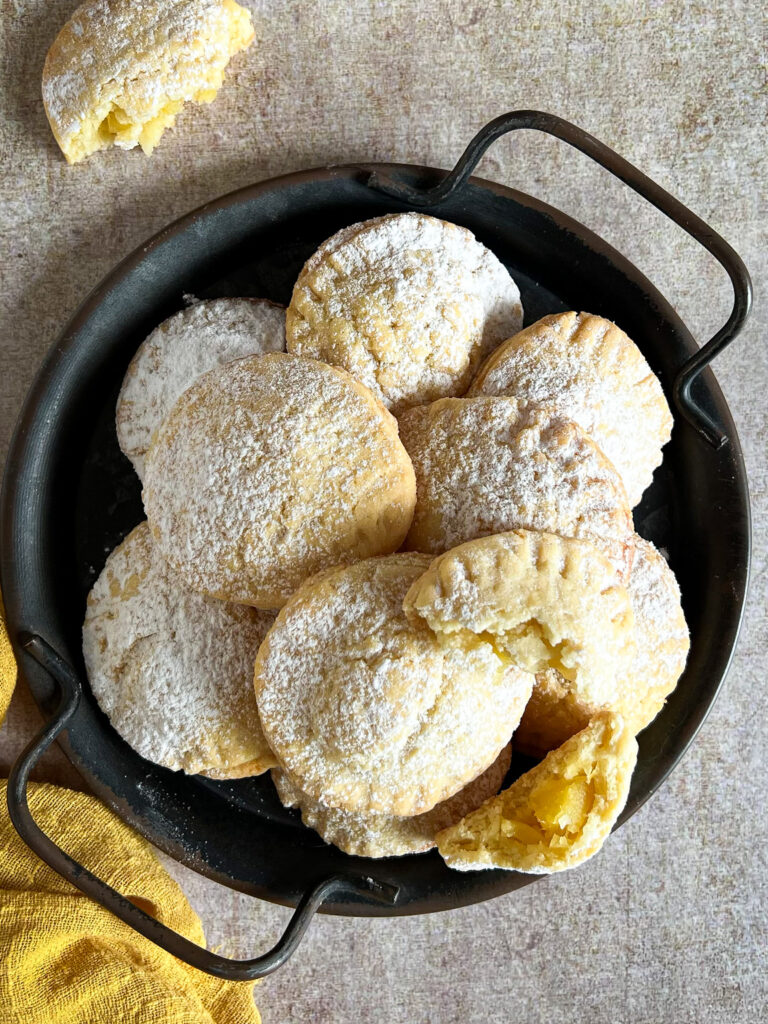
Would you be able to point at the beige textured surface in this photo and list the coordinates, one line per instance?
(668, 923)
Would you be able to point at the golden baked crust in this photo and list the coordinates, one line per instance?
(119, 71)
(488, 465)
(407, 303)
(557, 709)
(663, 640)
(368, 712)
(183, 348)
(383, 835)
(547, 601)
(240, 771)
(555, 816)
(271, 468)
(172, 669)
(590, 371)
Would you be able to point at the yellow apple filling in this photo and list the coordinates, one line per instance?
(562, 805)
(555, 809)
(529, 645)
(118, 129)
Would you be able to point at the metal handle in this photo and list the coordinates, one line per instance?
(644, 186)
(111, 899)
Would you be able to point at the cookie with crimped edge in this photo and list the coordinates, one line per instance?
(488, 465)
(555, 816)
(547, 601)
(591, 372)
(557, 709)
(173, 670)
(119, 71)
(197, 339)
(368, 712)
(409, 304)
(269, 469)
(384, 835)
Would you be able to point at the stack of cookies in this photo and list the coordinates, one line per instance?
(389, 533)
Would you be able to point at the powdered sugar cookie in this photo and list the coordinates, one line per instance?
(663, 640)
(368, 712)
(548, 601)
(407, 303)
(557, 709)
(185, 346)
(119, 71)
(555, 816)
(271, 468)
(172, 669)
(591, 372)
(383, 835)
(488, 465)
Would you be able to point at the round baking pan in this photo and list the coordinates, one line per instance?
(70, 496)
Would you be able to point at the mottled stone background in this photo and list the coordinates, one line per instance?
(668, 924)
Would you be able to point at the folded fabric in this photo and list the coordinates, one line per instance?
(66, 960)
(7, 666)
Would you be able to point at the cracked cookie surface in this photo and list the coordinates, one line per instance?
(547, 601)
(408, 304)
(557, 709)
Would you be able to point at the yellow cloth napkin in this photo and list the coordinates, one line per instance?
(7, 666)
(66, 960)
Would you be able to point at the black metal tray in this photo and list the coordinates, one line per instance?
(70, 496)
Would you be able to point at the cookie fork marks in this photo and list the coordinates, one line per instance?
(547, 601)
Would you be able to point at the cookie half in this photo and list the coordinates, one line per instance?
(119, 71)
(555, 816)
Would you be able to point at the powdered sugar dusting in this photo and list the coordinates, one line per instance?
(271, 468)
(173, 670)
(488, 465)
(590, 371)
(187, 345)
(367, 712)
(407, 303)
(662, 639)
(137, 56)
